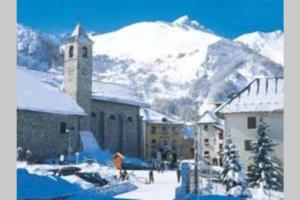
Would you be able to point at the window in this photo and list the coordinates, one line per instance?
(205, 127)
(153, 143)
(249, 168)
(112, 117)
(174, 130)
(221, 146)
(215, 162)
(206, 154)
(221, 135)
(129, 119)
(206, 141)
(71, 51)
(63, 127)
(165, 142)
(93, 114)
(164, 119)
(164, 130)
(247, 145)
(84, 52)
(153, 129)
(251, 122)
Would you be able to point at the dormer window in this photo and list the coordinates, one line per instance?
(84, 52)
(71, 51)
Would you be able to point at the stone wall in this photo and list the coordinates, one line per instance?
(40, 133)
(117, 127)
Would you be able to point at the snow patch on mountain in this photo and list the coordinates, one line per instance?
(269, 44)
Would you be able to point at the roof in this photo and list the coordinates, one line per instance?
(103, 91)
(35, 95)
(208, 118)
(116, 93)
(151, 116)
(79, 34)
(260, 95)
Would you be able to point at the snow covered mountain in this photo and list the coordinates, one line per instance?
(37, 50)
(171, 64)
(270, 44)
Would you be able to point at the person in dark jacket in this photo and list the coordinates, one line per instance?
(178, 172)
(151, 178)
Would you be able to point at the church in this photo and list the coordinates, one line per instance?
(49, 119)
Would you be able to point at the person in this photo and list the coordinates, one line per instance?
(162, 167)
(178, 172)
(151, 178)
(126, 177)
(121, 175)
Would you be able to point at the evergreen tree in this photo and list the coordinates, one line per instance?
(265, 172)
(232, 175)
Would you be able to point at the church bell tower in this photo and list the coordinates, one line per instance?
(78, 61)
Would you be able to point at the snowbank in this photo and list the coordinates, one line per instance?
(92, 150)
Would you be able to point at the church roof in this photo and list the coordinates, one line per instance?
(35, 95)
(116, 93)
(261, 95)
(79, 34)
(103, 91)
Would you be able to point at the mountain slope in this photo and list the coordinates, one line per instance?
(267, 44)
(37, 50)
(171, 64)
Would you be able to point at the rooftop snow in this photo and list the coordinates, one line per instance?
(101, 90)
(152, 116)
(116, 93)
(261, 95)
(80, 34)
(208, 118)
(34, 95)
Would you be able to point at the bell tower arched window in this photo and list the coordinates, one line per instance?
(84, 52)
(71, 51)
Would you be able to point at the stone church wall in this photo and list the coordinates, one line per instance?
(40, 133)
(117, 127)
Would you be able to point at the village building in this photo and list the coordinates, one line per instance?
(261, 100)
(211, 138)
(50, 119)
(164, 139)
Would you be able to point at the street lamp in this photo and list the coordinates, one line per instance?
(69, 143)
(196, 178)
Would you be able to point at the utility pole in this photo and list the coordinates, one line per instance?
(196, 181)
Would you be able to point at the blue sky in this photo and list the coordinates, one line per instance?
(229, 18)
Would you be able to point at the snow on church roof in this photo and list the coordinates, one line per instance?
(116, 93)
(80, 34)
(34, 95)
(261, 95)
(101, 90)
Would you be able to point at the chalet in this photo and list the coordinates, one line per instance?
(261, 99)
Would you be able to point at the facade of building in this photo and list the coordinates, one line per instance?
(211, 137)
(163, 138)
(262, 100)
(110, 111)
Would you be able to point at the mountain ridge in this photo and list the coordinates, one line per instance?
(171, 64)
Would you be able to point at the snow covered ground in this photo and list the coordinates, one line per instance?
(163, 188)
